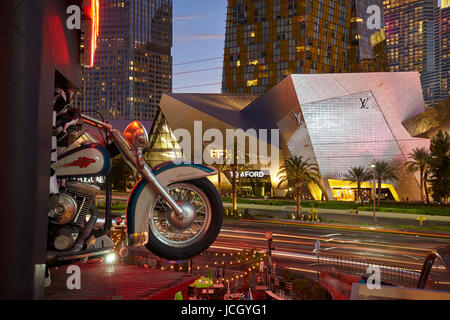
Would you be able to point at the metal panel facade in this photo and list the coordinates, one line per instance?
(337, 121)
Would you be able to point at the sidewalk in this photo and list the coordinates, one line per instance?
(292, 209)
(386, 221)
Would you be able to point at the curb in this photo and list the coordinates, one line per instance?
(405, 216)
(427, 233)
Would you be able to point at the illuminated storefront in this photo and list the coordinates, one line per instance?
(348, 190)
(252, 182)
(337, 121)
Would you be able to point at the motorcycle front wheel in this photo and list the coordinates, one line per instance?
(171, 240)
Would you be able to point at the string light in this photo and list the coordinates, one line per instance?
(242, 258)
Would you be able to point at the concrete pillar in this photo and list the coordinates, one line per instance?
(34, 45)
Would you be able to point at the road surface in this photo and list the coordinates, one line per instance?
(294, 244)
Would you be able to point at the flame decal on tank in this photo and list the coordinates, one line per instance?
(81, 162)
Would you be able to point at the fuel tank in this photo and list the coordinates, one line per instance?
(89, 160)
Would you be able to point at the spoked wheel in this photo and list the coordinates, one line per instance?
(177, 239)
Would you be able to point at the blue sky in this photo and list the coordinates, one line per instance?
(198, 33)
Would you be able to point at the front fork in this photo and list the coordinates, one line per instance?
(144, 169)
(136, 161)
(148, 175)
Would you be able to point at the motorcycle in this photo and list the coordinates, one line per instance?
(173, 210)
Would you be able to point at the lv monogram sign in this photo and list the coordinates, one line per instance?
(364, 103)
(298, 117)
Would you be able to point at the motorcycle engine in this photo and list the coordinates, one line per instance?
(67, 214)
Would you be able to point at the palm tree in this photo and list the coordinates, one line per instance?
(234, 167)
(119, 174)
(234, 173)
(383, 172)
(240, 168)
(440, 166)
(221, 168)
(358, 175)
(297, 172)
(420, 161)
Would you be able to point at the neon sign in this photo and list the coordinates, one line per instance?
(93, 12)
(95, 27)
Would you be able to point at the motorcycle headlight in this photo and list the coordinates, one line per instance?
(136, 135)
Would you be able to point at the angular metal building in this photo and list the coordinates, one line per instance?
(337, 121)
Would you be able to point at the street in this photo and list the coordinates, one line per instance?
(294, 244)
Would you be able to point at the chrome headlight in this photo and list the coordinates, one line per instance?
(136, 135)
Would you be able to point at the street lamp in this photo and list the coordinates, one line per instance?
(373, 192)
(269, 267)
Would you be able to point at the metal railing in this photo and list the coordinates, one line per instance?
(389, 273)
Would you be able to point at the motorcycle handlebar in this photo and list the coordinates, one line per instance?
(95, 122)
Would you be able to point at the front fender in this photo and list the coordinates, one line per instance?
(143, 195)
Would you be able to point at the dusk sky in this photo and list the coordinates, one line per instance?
(198, 33)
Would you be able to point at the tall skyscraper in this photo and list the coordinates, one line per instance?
(267, 40)
(133, 62)
(443, 48)
(367, 49)
(411, 41)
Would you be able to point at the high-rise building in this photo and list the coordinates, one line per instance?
(266, 40)
(411, 41)
(443, 48)
(367, 49)
(133, 63)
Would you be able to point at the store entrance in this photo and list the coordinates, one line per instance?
(351, 194)
(251, 184)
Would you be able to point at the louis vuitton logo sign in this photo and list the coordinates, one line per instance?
(298, 117)
(364, 103)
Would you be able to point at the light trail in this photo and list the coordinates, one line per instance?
(306, 254)
(359, 244)
(352, 242)
(349, 228)
(302, 270)
(294, 255)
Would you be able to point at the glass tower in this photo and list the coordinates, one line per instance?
(411, 42)
(367, 50)
(133, 63)
(443, 48)
(266, 40)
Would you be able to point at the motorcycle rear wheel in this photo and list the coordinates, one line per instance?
(171, 243)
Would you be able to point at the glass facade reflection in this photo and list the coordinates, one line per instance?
(266, 40)
(162, 144)
(411, 42)
(443, 48)
(367, 50)
(343, 132)
(337, 121)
